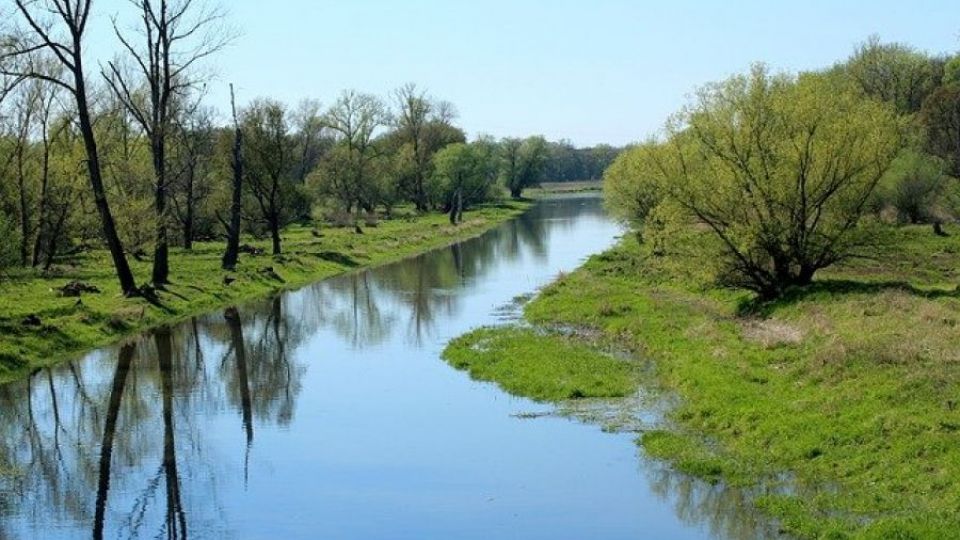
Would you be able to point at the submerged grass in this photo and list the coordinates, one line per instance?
(849, 388)
(68, 327)
(541, 367)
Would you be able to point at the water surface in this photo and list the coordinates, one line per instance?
(328, 413)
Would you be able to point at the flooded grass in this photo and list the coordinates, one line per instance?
(850, 384)
(542, 367)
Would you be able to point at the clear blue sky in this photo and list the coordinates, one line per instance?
(588, 70)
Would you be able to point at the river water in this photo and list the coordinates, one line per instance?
(328, 413)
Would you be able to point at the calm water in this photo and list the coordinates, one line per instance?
(328, 413)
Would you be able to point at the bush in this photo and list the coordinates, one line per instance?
(916, 189)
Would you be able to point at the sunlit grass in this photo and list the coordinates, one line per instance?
(541, 367)
(198, 285)
(850, 389)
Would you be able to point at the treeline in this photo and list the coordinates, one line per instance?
(794, 173)
(568, 163)
(129, 156)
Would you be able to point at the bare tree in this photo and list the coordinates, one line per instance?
(269, 164)
(194, 142)
(174, 36)
(417, 120)
(354, 119)
(56, 28)
(50, 213)
(232, 252)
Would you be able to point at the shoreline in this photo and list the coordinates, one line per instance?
(814, 403)
(73, 327)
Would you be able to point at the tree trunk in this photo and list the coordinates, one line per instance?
(176, 517)
(188, 219)
(109, 432)
(24, 214)
(232, 252)
(127, 283)
(43, 204)
(161, 252)
(275, 233)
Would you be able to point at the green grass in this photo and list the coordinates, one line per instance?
(541, 367)
(198, 283)
(845, 396)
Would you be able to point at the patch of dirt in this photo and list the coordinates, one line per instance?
(770, 333)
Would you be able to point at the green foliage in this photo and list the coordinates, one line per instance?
(895, 73)
(541, 367)
(780, 169)
(522, 163)
(632, 185)
(9, 255)
(940, 118)
(467, 171)
(951, 71)
(567, 163)
(917, 189)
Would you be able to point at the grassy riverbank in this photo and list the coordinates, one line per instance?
(847, 394)
(68, 327)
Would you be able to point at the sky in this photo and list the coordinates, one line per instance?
(591, 71)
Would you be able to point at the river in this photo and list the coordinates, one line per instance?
(327, 413)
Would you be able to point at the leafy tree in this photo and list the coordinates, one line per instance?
(348, 172)
(916, 188)
(522, 163)
(9, 254)
(951, 70)
(55, 31)
(269, 165)
(894, 73)
(780, 169)
(632, 184)
(467, 174)
(422, 126)
(940, 118)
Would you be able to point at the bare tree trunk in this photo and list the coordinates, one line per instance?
(44, 195)
(233, 233)
(127, 283)
(191, 209)
(24, 205)
(161, 252)
(275, 234)
(176, 517)
(109, 433)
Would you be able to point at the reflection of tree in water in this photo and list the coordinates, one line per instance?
(116, 442)
(113, 441)
(364, 308)
(727, 512)
(263, 380)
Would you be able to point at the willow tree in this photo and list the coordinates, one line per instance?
(523, 162)
(780, 169)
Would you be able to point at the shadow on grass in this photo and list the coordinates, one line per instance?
(338, 258)
(839, 288)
